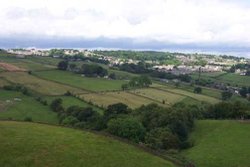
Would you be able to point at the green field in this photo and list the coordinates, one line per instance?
(37, 145)
(159, 95)
(14, 105)
(227, 78)
(220, 144)
(71, 101)
(37, 84)
(182, 92)
(76, 80)
(105, 99)
(30, 63)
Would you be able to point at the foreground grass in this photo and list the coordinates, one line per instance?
(30, 144)
(76, 80)
(24, 107)
(220, 144)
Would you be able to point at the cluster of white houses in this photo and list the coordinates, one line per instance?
(183, 69)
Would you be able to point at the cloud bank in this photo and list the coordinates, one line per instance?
(168, 22)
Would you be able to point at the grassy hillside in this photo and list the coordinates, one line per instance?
(92, 84)
(30, 144)
(11, 108)
(220, 144)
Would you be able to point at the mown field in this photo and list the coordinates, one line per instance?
(105, 99)
(159, 96)
(37, 84)
(37, 145)
(182, 92)
(76, 80)
(222, 143)
(16, 106)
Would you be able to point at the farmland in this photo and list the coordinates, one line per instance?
(76, 80)
(37, 84)
(16, 106)
(57, 146)
(227, 78)
(105, 99)
(220, 144)
(72, 101)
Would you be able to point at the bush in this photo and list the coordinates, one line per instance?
(28, 119)
(128, 128)
(70, 121)
(162, 138)
(56, 105)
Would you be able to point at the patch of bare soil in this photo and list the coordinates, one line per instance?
(11, 68)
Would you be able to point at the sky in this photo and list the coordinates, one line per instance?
(196, 25)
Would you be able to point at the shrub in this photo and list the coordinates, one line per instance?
(128, 128)
(161, 138)
(70, 121)
(28, 119)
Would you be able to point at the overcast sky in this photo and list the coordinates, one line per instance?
(193, 23)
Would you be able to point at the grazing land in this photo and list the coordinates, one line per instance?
(223, 143)
(105, 99)
(58, 146)
(16, 106)
(76, 80)
(199, 97)
(159, 95)
(37, 84)
(71, 101)
(11, 68)
(227, 78)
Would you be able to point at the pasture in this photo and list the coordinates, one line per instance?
(39, 85)
(181, 92)
(159, 95)
(16, 106)
(37, 145)
(104, 99)
(71, 101)
(222, 143)
(76, 80)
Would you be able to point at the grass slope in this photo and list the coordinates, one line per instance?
(27, 107)
(220, 144)
(30, 144)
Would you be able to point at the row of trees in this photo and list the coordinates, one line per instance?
(156, 127)
(138, 82)
(90, 70)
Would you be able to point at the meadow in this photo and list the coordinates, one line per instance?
(37, 145)
(159, 95)
(221, 143)
(183, 92)
(227, 78)
(104, 99)
(76, 80)
(17, 106)
(39, 85)
(71, 101)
